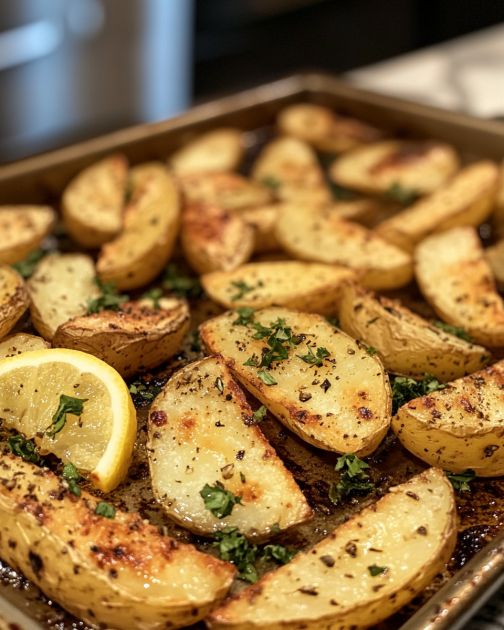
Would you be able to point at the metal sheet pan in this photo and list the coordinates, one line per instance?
(450, 600)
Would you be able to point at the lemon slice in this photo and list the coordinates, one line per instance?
(100, 440)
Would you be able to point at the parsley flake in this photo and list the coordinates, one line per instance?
(180, 283)
(27, 266)
(453, 330)
(72, 477)
(375, 570)
(109, 300)
(405, 196)
(266, 377)
(405, 389)
(353, 478)
(245, 316)
(259, 414)
(315, 359)
(271, 182)
(143, 393)
(371, 351)
(242, 288)
(461, 481)
(105, 509)
(67, 405)
(24, 448)
(219, 501)
(155, 295)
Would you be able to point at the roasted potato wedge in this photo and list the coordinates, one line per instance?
(291, 168)
(217, 150)
(202, 431)
(391, 551)
(93, 202)
(134, 338)
(319, 235)
(151, 223)
(459, 427)
(214, 239)
(19, 343)
(328, 389)
(467, 200)
(457, 281)
(419, 166)
(263, 219)
(14, 299)
(61, 288)
(498, 215)
(229, 191)
(103, 564)
(407, 343)
(495, 258)
(311, 287)
(22, 229)
(323, 129)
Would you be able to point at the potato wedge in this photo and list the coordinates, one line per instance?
(311, 287)
(61, 288)
(135, 338)
(93, 202)
(319, 235)
(337, 400)
(495, 258)
(467, 200)
(14, 299)
(19, 343)
(229, 191)
(291, 168)
(217, 150)
(151, 225)
(262, 219)
(22, 229)
(391, 551)
(214, 239)
(419, 166)
(202, 431)
(459, 427)
(324, 129)
(103, 564)
(498, 215)
(458, 283)
(407, 343)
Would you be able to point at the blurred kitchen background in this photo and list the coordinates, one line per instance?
(72, 69)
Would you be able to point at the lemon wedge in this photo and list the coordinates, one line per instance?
(98, 437)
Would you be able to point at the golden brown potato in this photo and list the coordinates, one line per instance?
(319, 235)
(14, 299)
(229, 191)
(458, 283)
(214, 239)
(151, 223)
(407, 343)
(291, 169)
(390, 551)
(217, 150)
(19, 343)
(420, 166)
(262, 219)
(188, 445)
(135, 338)
(467, 200)
(22, 229)
(495, 258)
(93, 202)
(61, 288)
(460, 427)
(311, 287)
(324, 129)
(327, 389)
(498, 215)
(97, 567)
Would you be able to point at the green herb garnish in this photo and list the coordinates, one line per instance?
(67, 405)
(266, 377)
(109, 300)
(155, 295)
(405, 196)
(259, 414)
(453, 330)
(71, 476)
(195, 341)
(461, 481)
(405, 389)
(315, 359)
(371, 351)
(375, 570)
(279, 553)
(245, 316)
(353, 478)
(26, 267)
(271, 182)
(242, 288)
(218, 500)
(105, 509)
(143, 394)
(181, 284)
(24, 448)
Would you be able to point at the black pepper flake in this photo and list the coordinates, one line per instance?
(327, 560)
(240, 455)
(325, 385)
(304, 396)
(351, 549)
(422, 530)
(308, 590)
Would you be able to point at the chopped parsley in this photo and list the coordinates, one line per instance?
(105, 509)
(27, 266)
(155, 295)
(71, 476)
(353, 478)
(67, 405)
(245, 316)
(143, 394)
(405, 196)
(371, 351)
(271, 182)
(109, 300)
(279, 553)
(219, 501)
(461, 481)
(375, 570)
(259, 414)
(315, 359)
(180, 283)
(242, 288)
(266, 377)
(195, 341)
(453, 330)
(405, 389)
(334, 321)
(24, 448)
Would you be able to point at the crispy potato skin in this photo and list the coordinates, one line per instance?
(467, 200)
(342, 406)
(187, 443)
(102, 564)
(60, 289)
(14, 299)
(455, 278)
(498, 214)
(495, 258)
(422, 166)
(310, 287)
(416, 521)
(217, 150)
(459, 427)
(214, 239)
(151, 224)
(320, 235)
(407, 343)
(19, 343)
(93, 202)
(22, 229)
(137, 337)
